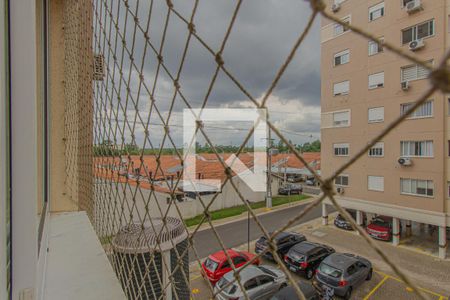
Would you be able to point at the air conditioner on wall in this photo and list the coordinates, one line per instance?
(404, 161)
(335, 8)
(416, 45)
(413, 6)
(340, 190)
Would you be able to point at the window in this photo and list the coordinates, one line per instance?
(339, 29)
(250, 284)
(263, 279)
(448, 189)
(342, 57)
(341, 88)
(341, 149)
(341, 180)
(423, 111)
(376, 47)
(341, 119)
(239, 260)
(376, 80)
(406, 2)
(375, 183)
(352, 270)
(376, 114)
(377, 150)
(416, 187)
(416, 148)
(417, 32)
(448, 148)
(376, 11)
(448, 106)
(414, 72)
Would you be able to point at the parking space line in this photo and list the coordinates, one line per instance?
(196, 277)
(441, 297)
(386, 277)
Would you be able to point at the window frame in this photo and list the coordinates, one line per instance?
(336, 146)
(344, 93)
(402, 147)
(375, 147)
(416, 194)
(416, 66)
(374, 8)
(374, 189)
(374, 120)
(379, 47)
(335, 25)
(341, 184)
(412, 116)
(348, 120)
(340, 54)
(414, 34)
(378, 85)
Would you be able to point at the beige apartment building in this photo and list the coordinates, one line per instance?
(364, 88)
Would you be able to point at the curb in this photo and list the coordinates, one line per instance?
(260, 212)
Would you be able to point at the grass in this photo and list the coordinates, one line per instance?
(237, 210)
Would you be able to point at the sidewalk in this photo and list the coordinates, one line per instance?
(257, 212)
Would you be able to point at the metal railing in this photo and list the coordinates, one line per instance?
(103, 121)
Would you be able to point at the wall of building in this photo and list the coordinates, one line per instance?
(360, 99)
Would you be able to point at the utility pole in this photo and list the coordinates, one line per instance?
(269, 172)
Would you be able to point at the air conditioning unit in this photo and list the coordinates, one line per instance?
(340, 190)
(335, 8)
(413, 6)
(416, 45)
(405, 161)
(405, 85)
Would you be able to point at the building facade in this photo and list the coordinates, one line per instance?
(364, 88)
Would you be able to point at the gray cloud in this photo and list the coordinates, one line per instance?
(261, 39)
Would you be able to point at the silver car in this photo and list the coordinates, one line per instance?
(259, 282)
(343, 272)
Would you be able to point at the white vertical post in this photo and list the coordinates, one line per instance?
(324, 214)
(443, 242)
(166, 274)
(359, 217)
(24, 158)
(3, 157)
(395, 231)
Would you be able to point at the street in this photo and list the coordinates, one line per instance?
(235, 233)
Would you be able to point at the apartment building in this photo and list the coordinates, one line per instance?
(364, 88)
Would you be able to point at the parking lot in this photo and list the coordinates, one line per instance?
(429, 274)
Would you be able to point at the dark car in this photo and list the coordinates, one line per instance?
(305, 257)
(380, 228)
(342, 223)
(289, 293)
(284, 242)
(343, 272)
(290, 189)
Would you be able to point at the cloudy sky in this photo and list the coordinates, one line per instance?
(261, 38)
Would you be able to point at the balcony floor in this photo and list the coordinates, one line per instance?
(77, 266)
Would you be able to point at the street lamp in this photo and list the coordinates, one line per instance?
(248, 226)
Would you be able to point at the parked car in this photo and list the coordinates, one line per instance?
(305, 257)
(290, 189)
(380, 228)
(284, 242)
(310, 182)
(342, 223)
(217, 265)
(289, 293)
(343, 272)
(259, 282)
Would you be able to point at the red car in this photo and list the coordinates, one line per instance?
(380, 228)
(216, 265)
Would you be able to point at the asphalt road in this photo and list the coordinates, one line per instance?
(236, 233)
